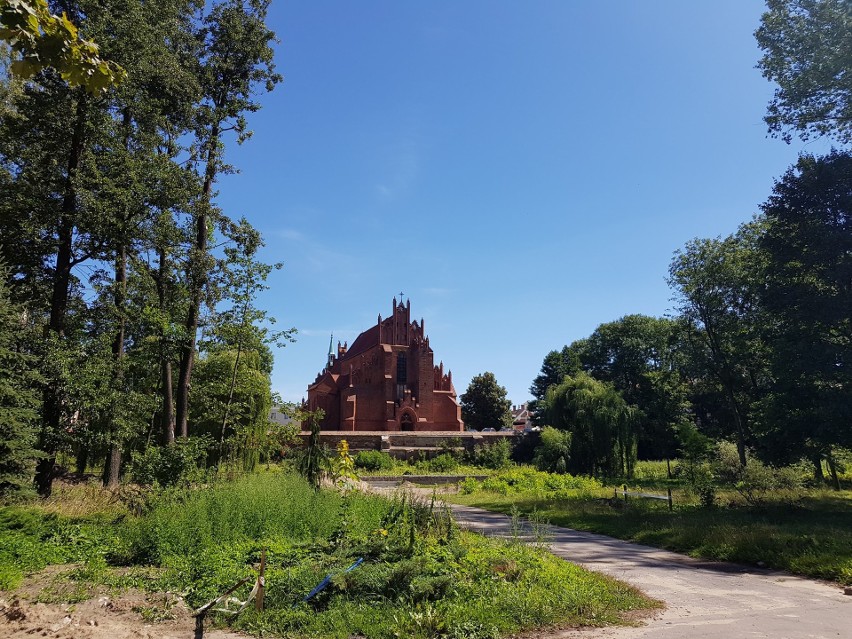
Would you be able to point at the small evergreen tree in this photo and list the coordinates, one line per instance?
(18, 399)
(314, 462)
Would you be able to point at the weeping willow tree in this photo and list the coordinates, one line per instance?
(603, 426)
(242, 384)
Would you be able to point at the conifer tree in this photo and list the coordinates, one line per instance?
(19, 399)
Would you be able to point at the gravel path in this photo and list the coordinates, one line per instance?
(704, 600)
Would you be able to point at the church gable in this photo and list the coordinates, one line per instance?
(387, 381)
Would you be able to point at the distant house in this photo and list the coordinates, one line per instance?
(276, 415)
(521, 418)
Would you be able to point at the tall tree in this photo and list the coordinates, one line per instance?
(636, 354)
(716, 283)
(806, 50)
(808, 292)
(554, 368)
(18, 397)
(244, 327)
(77, 164)
(235, 63)
(484, 404)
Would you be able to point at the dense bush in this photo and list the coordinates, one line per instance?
(373, 460)
(182, 461)
(496, 455)
(554, 452)
(443, 463)
(754, 481)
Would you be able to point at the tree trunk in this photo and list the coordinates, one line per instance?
(114, 459)
(819, 476)
(168, 403)
(112, 466)
(52, 410)
(168, 408)
(832, 466)
(198, 282)
(82, 460)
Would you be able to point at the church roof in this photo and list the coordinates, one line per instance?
(363, 342)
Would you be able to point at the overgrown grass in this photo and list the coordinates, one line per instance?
(808, 534)
(421, 577)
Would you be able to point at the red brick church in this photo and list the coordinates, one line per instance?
(386, 381)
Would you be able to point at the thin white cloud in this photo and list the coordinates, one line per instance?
(316, 256)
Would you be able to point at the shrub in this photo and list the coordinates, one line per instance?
(699, 478)
(554, 452)
(755, 480)
(496, 455)
(373, 460)
(180, 462)
(443, 463)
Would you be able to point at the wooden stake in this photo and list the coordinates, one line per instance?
(258, 602)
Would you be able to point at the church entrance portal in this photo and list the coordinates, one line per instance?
(406, 422)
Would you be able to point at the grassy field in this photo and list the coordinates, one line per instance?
(807, 533)
(421, 576)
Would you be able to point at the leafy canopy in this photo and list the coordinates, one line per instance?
(44, 40)
(807, 51)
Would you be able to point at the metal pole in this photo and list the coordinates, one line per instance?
(258, 602)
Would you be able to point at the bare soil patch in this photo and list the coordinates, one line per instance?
(129, 615)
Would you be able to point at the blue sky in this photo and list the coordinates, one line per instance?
(522, 171)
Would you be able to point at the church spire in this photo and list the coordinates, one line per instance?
(330, 351)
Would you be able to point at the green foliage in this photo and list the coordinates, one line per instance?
(807, 245)
(554, 368)
(236, 384)
(314, 460)
(19, 399)
(554, 451)
(179, 463)
(484, 404)
(805, 45)
(496, 455)
(755, 481)
(717, 283)
(698, 476)
(373, 460)
(342, 467)
(43, 40)
(526, 480)
(443, 463)
(602, 425)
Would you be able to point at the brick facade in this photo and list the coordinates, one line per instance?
(387, 381)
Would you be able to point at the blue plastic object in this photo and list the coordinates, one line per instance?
(321, 585)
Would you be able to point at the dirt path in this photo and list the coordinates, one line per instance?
(704, 600)
(102, 617)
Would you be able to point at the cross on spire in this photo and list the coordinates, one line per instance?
(400, 295)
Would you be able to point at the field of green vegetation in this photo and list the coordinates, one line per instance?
(807, 531)
(421, 576)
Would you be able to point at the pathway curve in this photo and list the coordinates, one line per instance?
(704, 600)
